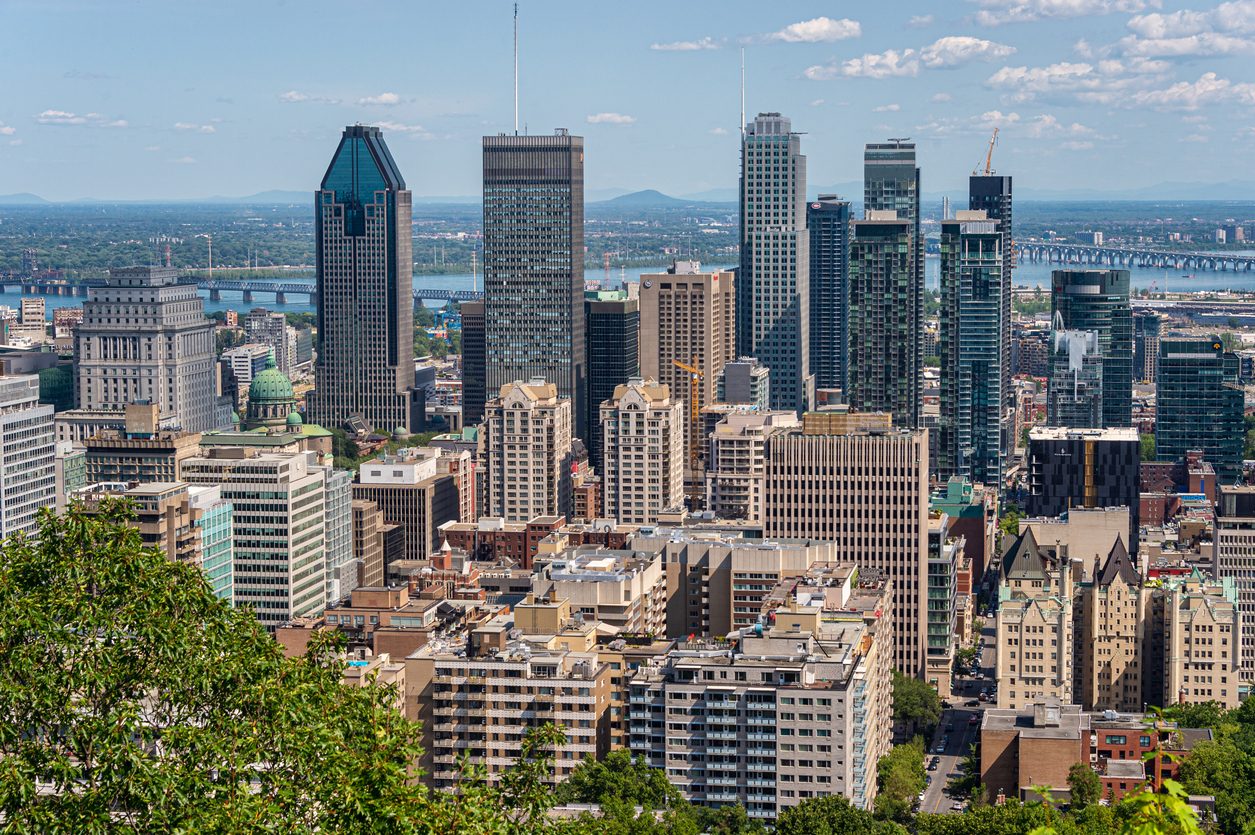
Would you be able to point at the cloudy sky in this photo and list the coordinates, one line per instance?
(154, 99)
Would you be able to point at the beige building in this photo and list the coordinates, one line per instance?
(1110, 634)
(1234, 559)
(1089, 534)
(1200, 651)
(865, 489)
(736, 467)
(368, 525)
(140, 451)
(642, 462)
(688, 316)
(528, 453)
(625, 590)
(365, 669)
(163, 516)
(411, 492)
(1034, 626)
(799, 709)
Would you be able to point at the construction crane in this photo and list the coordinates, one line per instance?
(989, 156)
(695, 377)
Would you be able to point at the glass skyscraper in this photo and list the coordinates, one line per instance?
(473, 393)
(215, 517)
(991, 194)
(1098, 301)
(365, 267)
(1199, 404)
(828, 222)
(613, 353)
(534, 265)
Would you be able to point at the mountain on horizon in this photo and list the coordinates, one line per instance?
(23, 199)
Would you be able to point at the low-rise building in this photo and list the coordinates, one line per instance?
(626, 590)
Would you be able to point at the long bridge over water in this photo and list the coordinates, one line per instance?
(1124, 256)
(215, 286)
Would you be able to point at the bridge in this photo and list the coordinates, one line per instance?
(1124, 256)
(215, 287)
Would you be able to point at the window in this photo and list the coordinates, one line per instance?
(1116, 740)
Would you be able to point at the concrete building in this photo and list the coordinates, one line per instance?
(1233, 559)
(368, 522)
(773, 282)
(736, 469)
(798, 708)
(246, 361)
(1199, 621)
(534, 265)
(1199, 404)
(973, 513)
(145, 337)
(365, 368)
(71, 471)
(1111, 619)
(625, 590)
(163, 516)
(642, 465)
(1074, 395)
(474, 393)
(410, 492)
(1147, 329)
(140, 451)
(528, 430)
(28, 459)
(214, 516)
(867, 491)
(744, 382)
(338, 519)
(945, 555)
(271, 329)
(279, 530)
(614, 353)
(1032, 745)
(688, 316)
(828, 221)
(1098, 301)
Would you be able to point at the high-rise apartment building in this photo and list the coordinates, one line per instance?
(614, 357)
(773, 283)
(1234, 560)
(1098, 301)
(1034, 625)
(1198, 620)
(1084, 468)
(991, 194)
(145, 337)
(1147, 329)
(1110, 633)
(362, 246)
(368, 523)
(974, 416)
(269, 328)
(474, 393)
(528, 452)
(279, 531)
(1199, 404)
(828, 221)
(884, 329)
(1074, 393)
(642, 463)
(626, 590)
(534, 265)
(688, 316)
(28, 471)
(736, 472)
(945, 552)
(867, 491)
(744, 382)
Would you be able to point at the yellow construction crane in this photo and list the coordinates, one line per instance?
(989, 156)
(695, 377)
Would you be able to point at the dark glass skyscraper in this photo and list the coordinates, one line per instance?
(365, 368)
(1199, 404)
(891, 182)
(828, 221)
(1098, 301)
(534, 264)
(991, 194)
(613, 355)
(474, 395)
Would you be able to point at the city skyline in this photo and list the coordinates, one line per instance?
(1058, 79)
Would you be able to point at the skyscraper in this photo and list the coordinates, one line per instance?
(1147, 327)
(1098, 301)
(972, 364)
(534, 264)
(991, 194)
(527, 452)
(614, 355)
(773, 311)
(642, 463)
(828, 221)
(474, 393)
(28, 477)
(891, 182)
(365, 368)
(884, 325)
(1199, 404)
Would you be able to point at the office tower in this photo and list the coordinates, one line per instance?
(1233, 560)
(642, 464)
(1147, 328)
(945, 553)
(991, 194)
(1199, 404)
(828, 221)
(473, 370)
(367, 545)
(891, 183)
(411, 492)
(528, 452)
(744, 382)
(145, 337)
(28, 470)
(277, 528)
(688, 317)
(215, 516)
(867, 491)
(1084, 468)
(1074, 393)
(338, 520)
(614, 356)
(884, 323)
(736, 471)
(1110, 633)
(71, 471)
(246, 361)
(973, 421)
(534, 265)
(362, 245)
(772, 309)
(799, 706)
(139, 451)
(1098, 301)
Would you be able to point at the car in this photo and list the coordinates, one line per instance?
(957, 806)
(928, 779)
(971, 703)
(939, 748)
(974, 720)
(932, 766)
(984, 697)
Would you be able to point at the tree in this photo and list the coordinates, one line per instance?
(1148, 446)
(899, 778)
(915, 703)
(1009, 524)
(619, 776)
(832, 815)
(132, 699)
(1196, 715)
(1084, 784)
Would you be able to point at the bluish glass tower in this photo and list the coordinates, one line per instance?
(1199, 404)
(828, 220)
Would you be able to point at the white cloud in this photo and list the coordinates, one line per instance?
(816, 102)
(919, 21)
(296, 96)
(1195, 137)
(719, 131)
(383, 99)
(1218, 31)
(7, 130)
(65, 117)
(1076, 145)
(192, 126)
(610, 119)
(941, 97)
(953, 50)
(1203, 43)
(887, 108)
(1191, 95)
(818, 30)
(1047, 125)
(1083, 49)
(1102, 84)
(185, 160)
(686, 46)
(998, 12)
(15, 142)
(417, 131)
(152, 148)
(885, 64)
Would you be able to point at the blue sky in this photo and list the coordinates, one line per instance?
(139, 99)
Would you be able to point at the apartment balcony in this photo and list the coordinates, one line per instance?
(723, 735)
(722, 797)
(721, 781)
(761, 766)
(720, 750)
(760, 781)
(760, 798)
(761, 720)
(717, 719)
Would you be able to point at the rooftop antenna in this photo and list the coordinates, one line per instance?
(516, 69)
(742, 92)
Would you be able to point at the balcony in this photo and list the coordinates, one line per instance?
(761, 735)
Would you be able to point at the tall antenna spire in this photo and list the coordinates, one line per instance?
(742, 92)
(516, 69)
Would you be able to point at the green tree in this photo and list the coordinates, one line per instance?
(915, 704)
(1196, 715)
(619, 776)
(899, 778)
(1009, 523)
(1148, 446)
(831, 815)
(133, 700)
(1084, 784)
(727, 820)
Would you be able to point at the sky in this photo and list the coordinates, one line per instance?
(151, 99)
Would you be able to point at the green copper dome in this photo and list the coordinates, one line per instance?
(271, 386)
(295, 419)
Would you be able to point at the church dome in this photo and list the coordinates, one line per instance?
(295, 419)
(271, 385)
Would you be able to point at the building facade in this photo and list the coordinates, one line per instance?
(1034, 626)
(28, 465)
(736, 471)
(828, 221)
(642, 464)
(614, 354)
(474, 392)
(1233, 560)
(215, 517)
(411, 492)
(992, 194)
(1098, 301)
(528, 430)
(1200, 405)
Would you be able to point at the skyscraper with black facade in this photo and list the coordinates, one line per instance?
(991, 194)
(1199, 404)
(1098, 301)
(828, 221)
(613, 322)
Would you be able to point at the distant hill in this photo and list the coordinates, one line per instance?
(271, 197)
(23, 199)
(647, 197)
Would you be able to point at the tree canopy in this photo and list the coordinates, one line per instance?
(915, 703)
